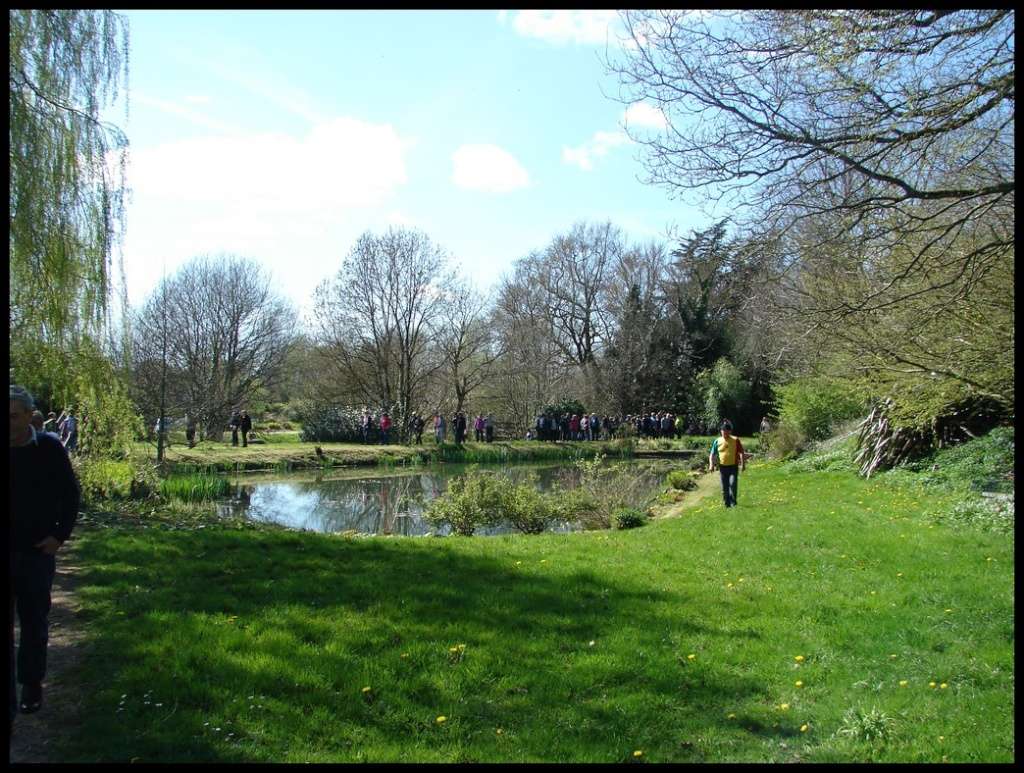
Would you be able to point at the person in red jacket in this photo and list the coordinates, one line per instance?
(385, 428)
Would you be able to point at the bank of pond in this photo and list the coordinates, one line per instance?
(567, 496)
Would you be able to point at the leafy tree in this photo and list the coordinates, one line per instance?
(66, 202)
(723, 393)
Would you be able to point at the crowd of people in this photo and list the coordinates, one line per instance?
(662, 424)
(63, 427)
(377, 428)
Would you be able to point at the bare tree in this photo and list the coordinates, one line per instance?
(372, 319)
(899, 125)
(466, 340)
(226, 330)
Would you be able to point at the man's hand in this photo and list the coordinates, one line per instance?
(50, 545)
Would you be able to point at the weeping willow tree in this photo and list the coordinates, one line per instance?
(67, 188)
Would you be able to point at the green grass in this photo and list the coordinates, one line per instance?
(195, 487)
(226, 645)
(288, 455)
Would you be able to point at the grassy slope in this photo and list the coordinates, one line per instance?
(576, 647)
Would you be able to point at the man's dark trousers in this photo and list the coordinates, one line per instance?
(32, 578)
(730, 482)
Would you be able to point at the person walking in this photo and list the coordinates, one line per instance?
(489, 428)
(727, 454)
(234, 423)
(460, 428)
(478, 427)
(69, 432)
(439, 428)
(245, 424)
(385, 429)
(43, 506)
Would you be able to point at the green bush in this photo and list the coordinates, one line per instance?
(681, 480)
(629, 518)
(816, 406)
(472, 500)
(104, 479)
(784, 441)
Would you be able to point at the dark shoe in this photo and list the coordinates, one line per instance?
(31, 698)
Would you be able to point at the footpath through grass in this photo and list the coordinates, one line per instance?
(824, 619)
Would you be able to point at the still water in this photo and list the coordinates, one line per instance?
(371, 501)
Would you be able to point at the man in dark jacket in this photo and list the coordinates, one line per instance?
(44, 499)
(245, 424)
(234, 424)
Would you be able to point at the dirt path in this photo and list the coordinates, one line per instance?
(35, 734)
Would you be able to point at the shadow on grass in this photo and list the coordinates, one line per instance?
(215, 623)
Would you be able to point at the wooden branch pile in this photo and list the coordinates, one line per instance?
(882, 445)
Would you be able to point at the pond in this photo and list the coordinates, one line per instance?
(377, 502)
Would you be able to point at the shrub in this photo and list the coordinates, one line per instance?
(629, 518)
(681, 480)
(784, 441)
(872, 725)
(525, 508)
(328, 423)
(816, 406)
(472, 500)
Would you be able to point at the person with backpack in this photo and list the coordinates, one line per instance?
(728, 456)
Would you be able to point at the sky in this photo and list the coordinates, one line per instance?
(283, 136)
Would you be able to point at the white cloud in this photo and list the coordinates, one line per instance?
(340, 163)
(587, 27)
(487, 168)
(640, 114)
(198, 99)
(596, 147)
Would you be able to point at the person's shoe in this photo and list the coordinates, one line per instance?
(31, 698)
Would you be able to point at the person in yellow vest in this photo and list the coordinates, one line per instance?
(728, 456)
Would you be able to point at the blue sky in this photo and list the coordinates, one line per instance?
(283, 136)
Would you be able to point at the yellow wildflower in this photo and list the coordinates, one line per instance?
(784, 706)
(441, 719)
(803, 728)
(903, 682)
(691, 656)
(799, 683)
(799, 658)
(366, 689)
(943, 686)
(638, 753)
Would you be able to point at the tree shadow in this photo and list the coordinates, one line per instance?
(413, 594)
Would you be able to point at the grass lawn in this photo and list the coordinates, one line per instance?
(825, 619)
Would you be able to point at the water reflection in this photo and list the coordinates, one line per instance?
(375, 504)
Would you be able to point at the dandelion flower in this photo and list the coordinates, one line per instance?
(442, 719)
(931, 684)
(799, 683)
(943, 686)
(499, 731)
(638, 753)
(893, 656)
(784, 706)
(799, 658)
(731, 716)
(948, 611)
(903, 682)
(803, 728)
(899, 574)
(942, 738)
(366, 689)
(691, 656)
